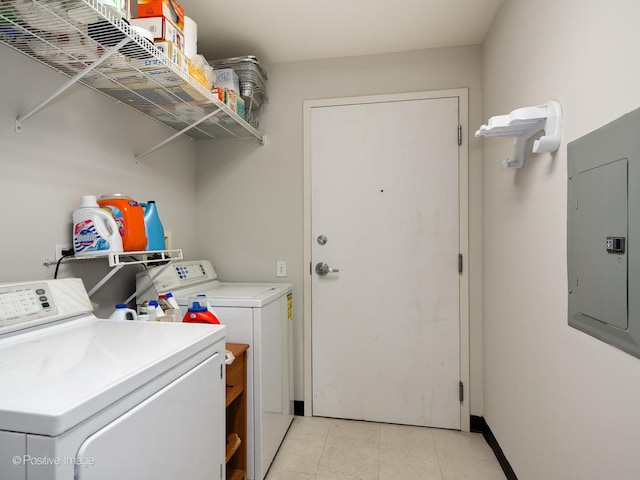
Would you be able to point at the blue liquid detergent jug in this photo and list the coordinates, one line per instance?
(153, 225)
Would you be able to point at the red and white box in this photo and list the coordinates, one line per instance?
(161, 29)
(170, 9)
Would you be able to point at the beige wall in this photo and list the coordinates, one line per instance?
(250, 198)
(562, 404)
(82, 143)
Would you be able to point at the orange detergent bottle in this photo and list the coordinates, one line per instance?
(129, 216)
(199, 313)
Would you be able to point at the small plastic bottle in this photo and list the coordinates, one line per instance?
(162, 301)
(155, 310)
(143, 313)
(172, 301)
(122, 312)
(175, 308)
(173, 313)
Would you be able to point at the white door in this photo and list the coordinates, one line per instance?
(384, 181)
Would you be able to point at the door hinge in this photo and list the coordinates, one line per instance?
(221, 377)
(461, 391)
(459, 263)
(220, 471)
(310, 271)
(459, 134)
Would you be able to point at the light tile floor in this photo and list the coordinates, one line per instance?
(318, 448)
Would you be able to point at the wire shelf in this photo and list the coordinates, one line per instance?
(78, 37)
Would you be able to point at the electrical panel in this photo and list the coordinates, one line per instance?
(603, 233)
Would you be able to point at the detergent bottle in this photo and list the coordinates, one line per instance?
(123, 313)
(153, 226)
(94, 229)
(199, 313)
(129, 216)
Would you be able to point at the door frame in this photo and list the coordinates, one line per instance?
(463, 181)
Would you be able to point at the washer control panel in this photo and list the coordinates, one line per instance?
(25, 302)
(25, 305)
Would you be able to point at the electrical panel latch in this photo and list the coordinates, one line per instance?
(615, 244)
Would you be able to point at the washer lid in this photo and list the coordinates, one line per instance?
(54, 378)
(231, 294)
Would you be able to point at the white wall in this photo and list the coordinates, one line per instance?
(561, 404)
(82, 143)
(250, 198)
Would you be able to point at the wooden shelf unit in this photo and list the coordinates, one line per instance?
(236, 403)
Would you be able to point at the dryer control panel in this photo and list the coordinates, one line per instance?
(153, 281)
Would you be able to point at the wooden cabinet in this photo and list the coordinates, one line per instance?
(236, 403)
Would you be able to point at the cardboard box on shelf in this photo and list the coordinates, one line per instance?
(230, 99)
(150, 83)
(173, 53)
(218, 92)
(240, 107)
(161, 29)
(158, 8)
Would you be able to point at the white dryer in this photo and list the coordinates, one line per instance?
(258, 314)
(83, 398)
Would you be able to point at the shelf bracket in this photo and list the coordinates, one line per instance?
(157, 272)
(69, 83)
(105, 279)
(523, 124)
(177, 134)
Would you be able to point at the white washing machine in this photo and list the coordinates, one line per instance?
(83, 398)
(259, 314)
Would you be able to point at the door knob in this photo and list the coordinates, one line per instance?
(322, 269)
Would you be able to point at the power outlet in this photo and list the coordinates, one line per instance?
(59, 248)
(281, 268)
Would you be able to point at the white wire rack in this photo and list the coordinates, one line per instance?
(119, 260)
(89, 43)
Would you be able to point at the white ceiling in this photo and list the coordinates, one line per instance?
(298, 30)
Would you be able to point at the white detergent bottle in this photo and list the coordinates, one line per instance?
(123, 313)
(94, 229)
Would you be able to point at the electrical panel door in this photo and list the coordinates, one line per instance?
(601, 273)
(603, 229)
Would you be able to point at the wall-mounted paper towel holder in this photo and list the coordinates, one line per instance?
(523, 124)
